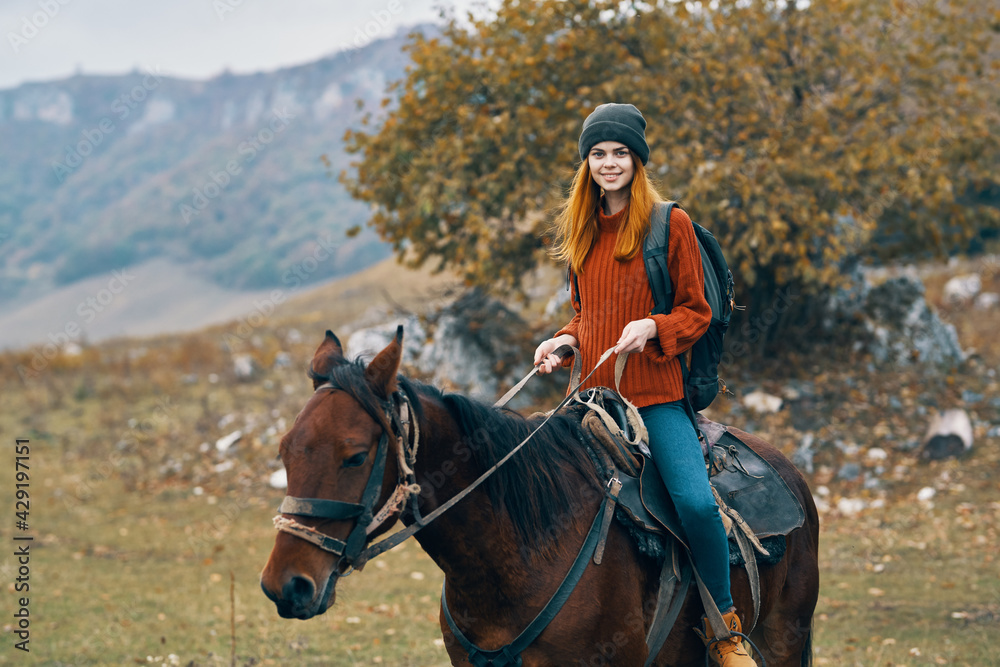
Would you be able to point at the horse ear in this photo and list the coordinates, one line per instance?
(330, 347)
(328, 356)
(381, 372)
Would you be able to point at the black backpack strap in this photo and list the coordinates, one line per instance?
(688, 408)
(655, 252)
(575, 290)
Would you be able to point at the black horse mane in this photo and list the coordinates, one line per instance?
(533, 486)
(349, 376)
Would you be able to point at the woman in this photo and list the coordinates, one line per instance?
(600, 234)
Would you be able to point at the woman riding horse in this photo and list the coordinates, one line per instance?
(601, 230)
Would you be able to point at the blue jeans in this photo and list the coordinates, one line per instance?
(677, 453)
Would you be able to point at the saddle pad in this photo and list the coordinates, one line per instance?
(645, 500)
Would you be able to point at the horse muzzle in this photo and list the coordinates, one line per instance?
(299, 597)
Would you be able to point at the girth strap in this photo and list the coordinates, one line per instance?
(510, 654)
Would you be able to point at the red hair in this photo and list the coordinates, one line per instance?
(576, 223)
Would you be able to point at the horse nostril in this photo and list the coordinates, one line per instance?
(299, 590)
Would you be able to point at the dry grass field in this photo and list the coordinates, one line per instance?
(149, 542)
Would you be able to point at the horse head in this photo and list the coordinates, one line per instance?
(344, 477)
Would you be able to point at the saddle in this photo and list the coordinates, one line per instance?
(751, 494)
(757, 507)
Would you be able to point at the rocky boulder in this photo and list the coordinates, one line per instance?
(472, 345)
(893, 321)
(369, 341)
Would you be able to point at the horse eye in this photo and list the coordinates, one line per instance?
(355, 461)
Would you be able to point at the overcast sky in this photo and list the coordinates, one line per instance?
(51, 39)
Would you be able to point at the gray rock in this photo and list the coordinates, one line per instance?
(243, 366)
(969, 396)
(897, 325)
(802, 458)
(987, 301)
(472, 348)
(370, 341)
(872, 481)
(961, 289)
(849, 472)
(556, 302)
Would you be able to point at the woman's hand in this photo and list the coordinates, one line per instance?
(545, 357)
(635, 334)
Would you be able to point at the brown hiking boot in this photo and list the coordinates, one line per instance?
(726, 652)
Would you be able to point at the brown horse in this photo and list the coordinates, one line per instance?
(506, 547)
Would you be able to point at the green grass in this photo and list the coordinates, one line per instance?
(123, 576)
(936, 599)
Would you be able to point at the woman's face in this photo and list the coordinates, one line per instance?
(611, 165)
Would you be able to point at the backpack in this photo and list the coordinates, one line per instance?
(701, 378)
(700, 365)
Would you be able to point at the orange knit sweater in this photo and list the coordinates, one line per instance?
(614, 293)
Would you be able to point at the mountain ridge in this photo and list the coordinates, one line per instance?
(221, 177)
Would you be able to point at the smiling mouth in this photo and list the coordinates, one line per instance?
(610, 177)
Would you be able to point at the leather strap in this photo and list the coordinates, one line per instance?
(574, 380)
(719, 627)
(750, 560)
(503, 400)
(670, 599)
(311, 535)
(614, 486)
(320, 508)
(609, 421)
(746, 541)
(561, 351)
(510, 654)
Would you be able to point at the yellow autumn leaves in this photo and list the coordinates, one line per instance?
(799, 135)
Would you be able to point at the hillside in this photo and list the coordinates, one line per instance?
(232, 179)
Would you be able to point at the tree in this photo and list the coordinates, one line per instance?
(797, 134)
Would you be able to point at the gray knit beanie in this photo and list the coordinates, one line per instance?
(615, 122)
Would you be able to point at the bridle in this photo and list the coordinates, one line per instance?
(397, 409)
(352, 552)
